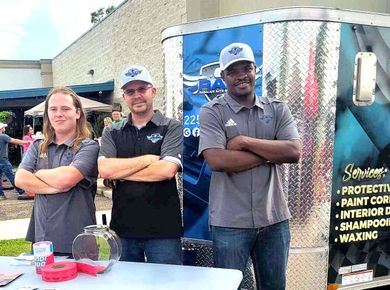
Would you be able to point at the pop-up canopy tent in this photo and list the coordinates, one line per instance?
(88, 105)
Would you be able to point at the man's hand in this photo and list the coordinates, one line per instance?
(237, 143)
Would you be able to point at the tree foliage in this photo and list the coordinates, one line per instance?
(4, 116)
(99, 14)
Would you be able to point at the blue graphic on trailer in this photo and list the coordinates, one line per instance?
(362, 142)
(202, 83)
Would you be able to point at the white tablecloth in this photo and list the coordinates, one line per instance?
(133, 276)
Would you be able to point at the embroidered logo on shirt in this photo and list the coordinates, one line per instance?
(230, 123)
(155, 137)
(266, 119)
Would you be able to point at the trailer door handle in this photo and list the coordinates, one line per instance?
(364, 79)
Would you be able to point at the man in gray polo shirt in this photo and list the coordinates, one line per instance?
(62, 171)
(244, 138)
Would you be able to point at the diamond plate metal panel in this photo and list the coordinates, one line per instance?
(200, 253)
(173, 82)
(307, 270)
(173, 77)
(300, 62)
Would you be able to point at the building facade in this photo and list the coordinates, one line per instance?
(129, 35)
(21, 74)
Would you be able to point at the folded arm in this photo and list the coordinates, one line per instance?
(231, 160)
(62, 178)
(275, 151)
(157, 171)
(121, 168)
(28, 181)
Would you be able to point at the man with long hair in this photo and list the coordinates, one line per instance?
(62, 170)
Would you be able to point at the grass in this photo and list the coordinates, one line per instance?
(14, 247)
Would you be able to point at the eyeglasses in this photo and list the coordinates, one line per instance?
(140, 90)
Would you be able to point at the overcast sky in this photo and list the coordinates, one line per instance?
(41, 29)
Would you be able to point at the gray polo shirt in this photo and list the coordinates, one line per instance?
(251, 198)
(61, 217)
(4, 140)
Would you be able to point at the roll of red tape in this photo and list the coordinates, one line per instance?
(59, 271)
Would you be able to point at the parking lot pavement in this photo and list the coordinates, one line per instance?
(15, 214)
(17, 229)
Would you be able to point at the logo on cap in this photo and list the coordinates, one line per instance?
(235, 50)
(133, 72)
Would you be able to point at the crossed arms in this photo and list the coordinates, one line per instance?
(48, 181)
(147, 168)
(143, 168)
(239, 153)
(59, 179)
(243, 153)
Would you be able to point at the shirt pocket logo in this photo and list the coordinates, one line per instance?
(154, 137)
(266, 119)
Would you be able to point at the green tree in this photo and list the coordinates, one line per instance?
(99, 14)
(4, 116)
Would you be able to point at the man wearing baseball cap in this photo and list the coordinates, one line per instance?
(142, 156)
(5, 165)
(245, 138)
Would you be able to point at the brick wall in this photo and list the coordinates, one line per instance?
(130, 35)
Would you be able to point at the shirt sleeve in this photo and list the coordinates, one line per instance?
(172, 145)
(212, 133)
(5, 138)
(107, 145)
(25, 146)
(85, 160)
(30, 158)
(286, 126)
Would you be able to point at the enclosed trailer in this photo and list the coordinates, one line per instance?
(332, 68)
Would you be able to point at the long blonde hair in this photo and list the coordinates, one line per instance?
(82, 131)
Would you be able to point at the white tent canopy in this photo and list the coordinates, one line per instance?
(88, 105)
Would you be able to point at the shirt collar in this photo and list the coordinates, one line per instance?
(236, 106)
(156, 119)
(67, 142)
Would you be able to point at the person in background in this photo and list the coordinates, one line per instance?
(107, 121)
(28, 133)
(62, 170)
(38, 135)
(92, 135)
(116, 114)
(142, 155)
(245, 138)
(5, 165)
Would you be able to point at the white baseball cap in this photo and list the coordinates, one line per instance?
(39, 135)
(2, 125)
(135, 73)
(235, 52)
